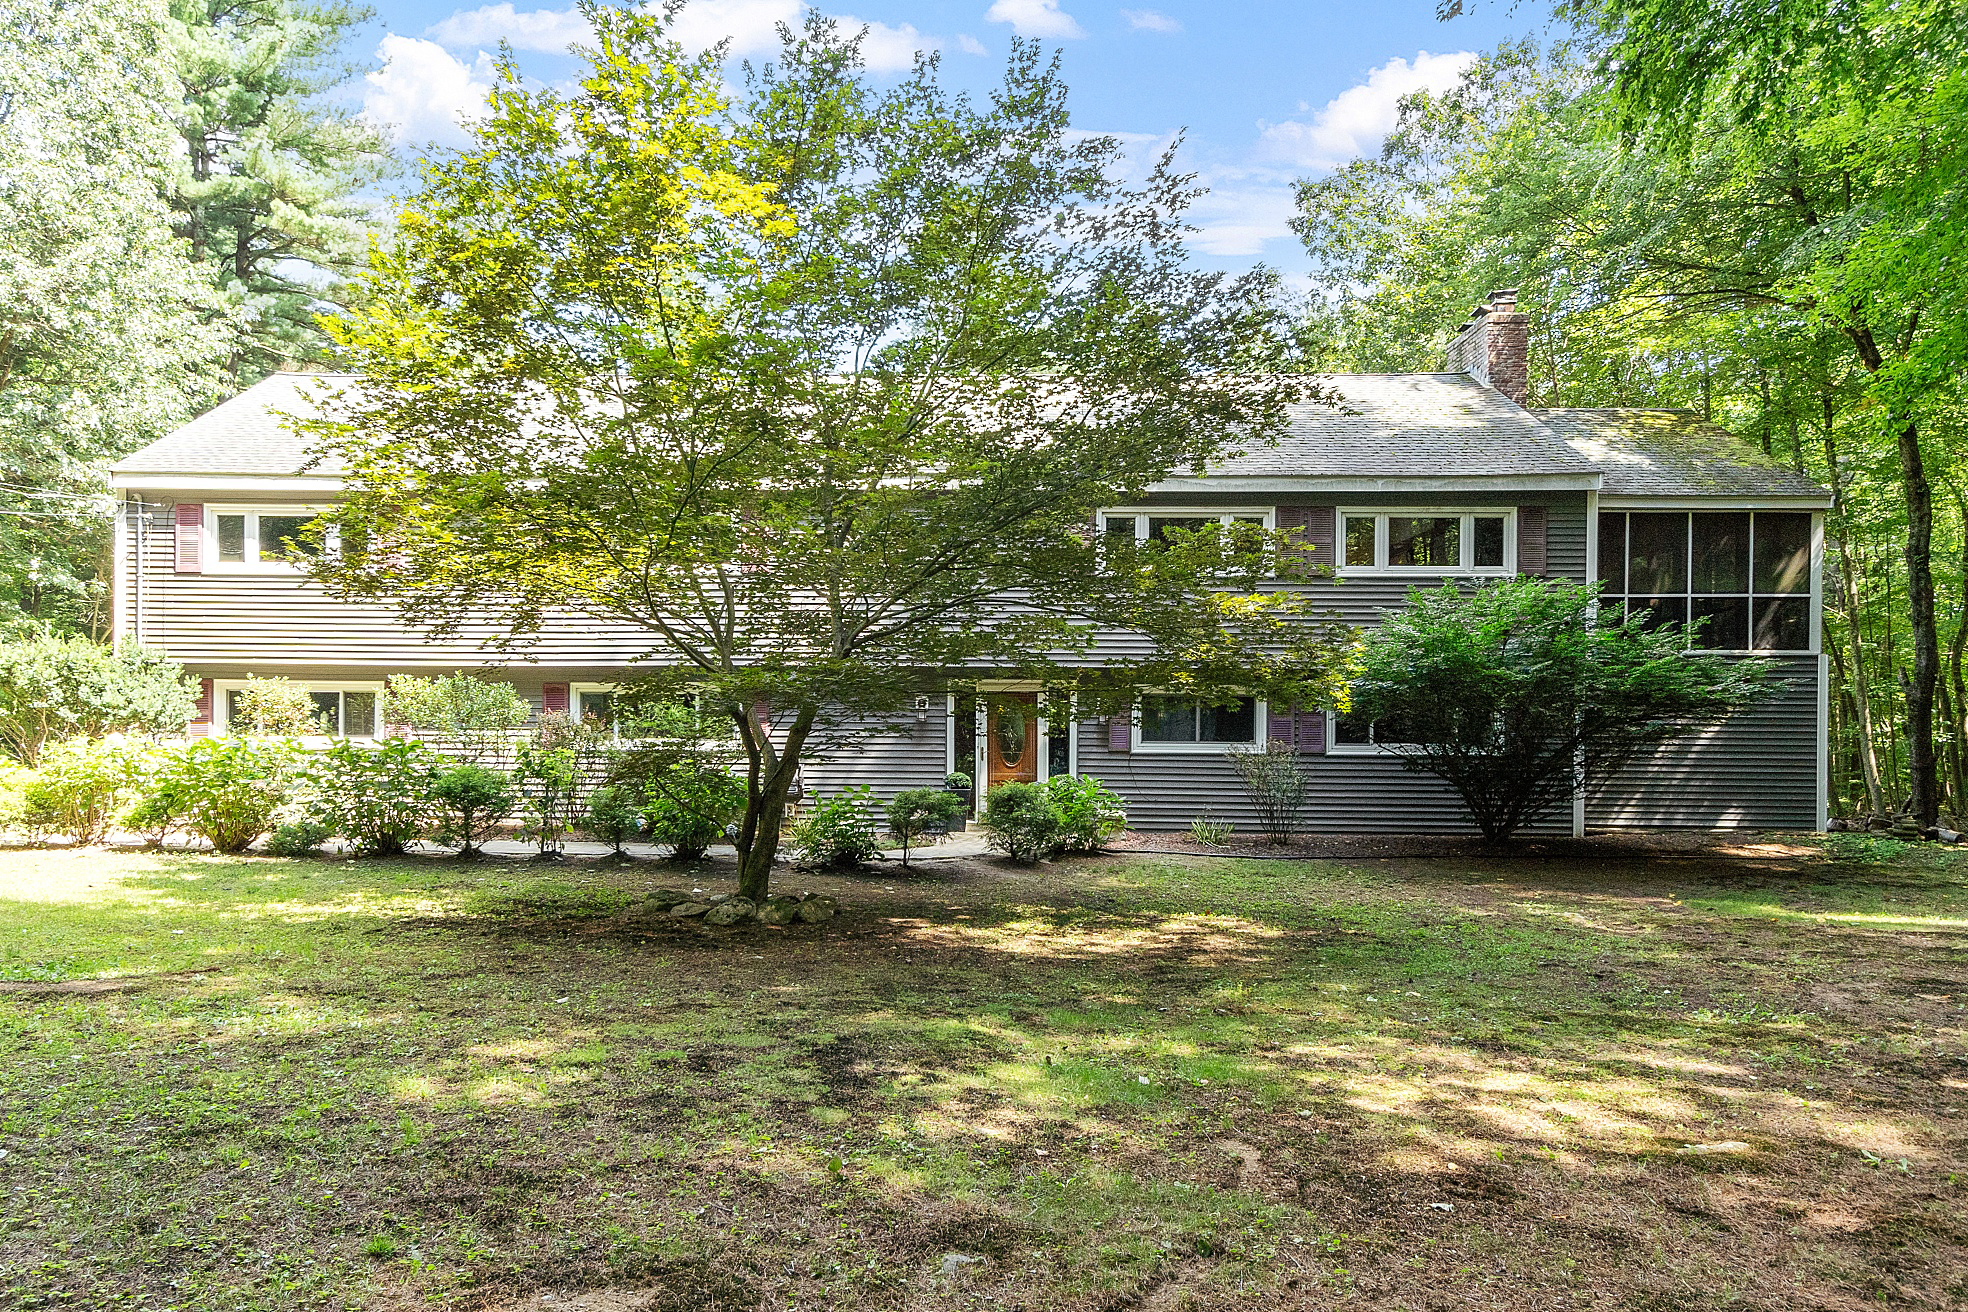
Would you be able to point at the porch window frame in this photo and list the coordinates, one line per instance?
(1260, 731)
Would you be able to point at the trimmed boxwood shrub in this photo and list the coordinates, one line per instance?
(1022, 822)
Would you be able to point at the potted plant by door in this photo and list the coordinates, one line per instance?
(959, 783)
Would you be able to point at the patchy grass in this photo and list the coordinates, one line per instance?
(1141, 1082)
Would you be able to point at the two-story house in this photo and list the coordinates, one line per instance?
(1416, 479)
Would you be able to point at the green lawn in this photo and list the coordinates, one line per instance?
(1122, 1082)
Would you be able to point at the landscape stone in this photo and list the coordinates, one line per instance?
(730, 911)
(690, 908)
(813, 911)
(779, 911)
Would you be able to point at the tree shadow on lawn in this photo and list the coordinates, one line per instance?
(1116, 1088)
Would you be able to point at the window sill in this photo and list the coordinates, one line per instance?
(1191, 749)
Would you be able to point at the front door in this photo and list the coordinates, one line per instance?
(1011, 734)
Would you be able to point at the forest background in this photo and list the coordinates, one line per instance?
(1753, 211)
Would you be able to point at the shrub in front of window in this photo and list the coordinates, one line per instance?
(1089, 812)
(53, 688)
(469, 718)
(473, 799)
(1275, 780)
(688, 805)
(378, 798)
(272, 708)
(614, 816)
(1523, 691)
(78, 787)
(916, 813)
(226, 791)
(1022, 822)
(839, 831)
(564, 760)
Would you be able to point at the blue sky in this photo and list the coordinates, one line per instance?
(1268, 92)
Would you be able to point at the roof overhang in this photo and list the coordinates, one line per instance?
(1682, 501)
(152, 482)
(1354, 485)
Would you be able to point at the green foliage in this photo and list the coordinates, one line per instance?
(614, 815)
(977, 259)
(688, 806)
(1275, 780)
(1089, 812)
(471, 718)
(565, 758)
(1210, 831)
(224, 790)
(915, 813)
(474, 799)
(1506, 691)
(77, 788)
(54, 687)
(274, 708)
(379, 798)
(958, 781)
(1022, 822)
(271, 179)
(298, 838)
(839, 831)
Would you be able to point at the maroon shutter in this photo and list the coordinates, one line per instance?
(554, 699)
(189, 529)
(201, 719)
(1531, 554)
(1120, 733)
(1313, 526)
(1304, 731)
(762, 716)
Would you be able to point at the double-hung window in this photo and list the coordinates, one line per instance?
(1428, 541)
(1356, 733)
(340, 710)
(1744, 576)
(1173, 723)
(270, 539)
(1152, 527)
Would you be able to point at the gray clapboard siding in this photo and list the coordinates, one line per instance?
(907, 755)
(1758, 770)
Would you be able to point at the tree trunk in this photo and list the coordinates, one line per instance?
(1848, 580)
(1923, 776)
(773, 769)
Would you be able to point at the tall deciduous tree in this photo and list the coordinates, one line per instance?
(270, 180)
(108, 332)
(820, 386)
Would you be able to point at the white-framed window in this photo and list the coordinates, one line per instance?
(259, 539)
(341, 709)
(1147, 524)
(1171, 722)
(1473, 540)
(1356, 735)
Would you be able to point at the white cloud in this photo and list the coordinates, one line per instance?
(1034, 18)
(1353, 123)
(1147, 20)
(752, 27)
(1237, 220)
(550, 30)
(970, 45)
(421, 93)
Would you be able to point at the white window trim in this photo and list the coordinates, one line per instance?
(1381, 568)
(1221, 514)
(222, 712)
(253, 564)
(1260, 733)
(1334, 747)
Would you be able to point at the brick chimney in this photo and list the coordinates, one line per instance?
(1494, 346)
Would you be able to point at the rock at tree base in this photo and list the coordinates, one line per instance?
(690, 908)
(779, 911)
(665, 898)
(815, 910)
(730, 911)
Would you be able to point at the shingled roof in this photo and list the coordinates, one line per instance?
(1673, 453)
(1387, 426)
(246, 435)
